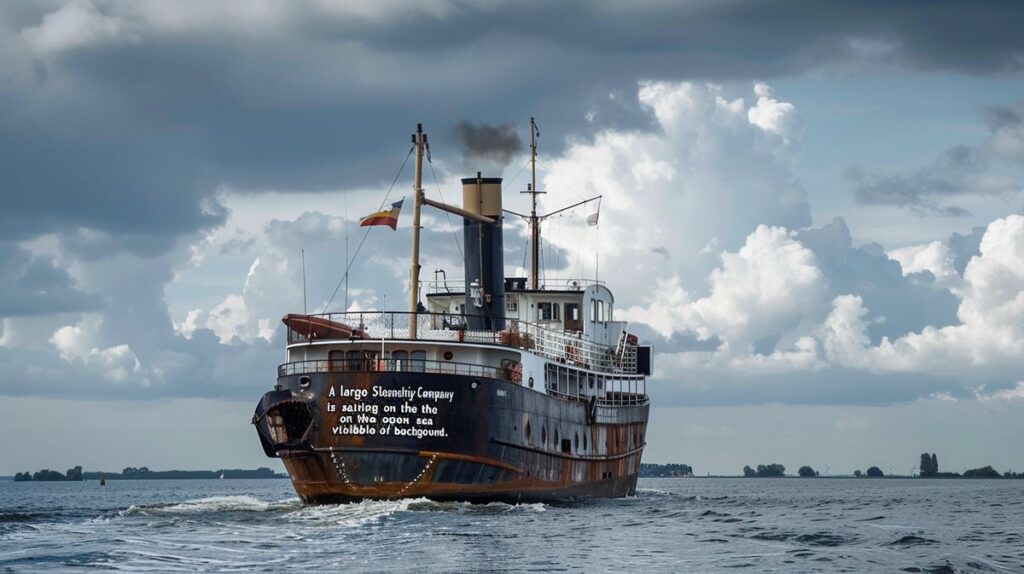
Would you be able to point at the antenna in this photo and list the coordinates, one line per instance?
(305, 311)
(346, 252)
(533, 219)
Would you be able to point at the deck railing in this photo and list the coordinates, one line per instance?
(396, 366)
(569, 347)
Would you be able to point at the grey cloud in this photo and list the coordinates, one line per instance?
(1006, 131)
(135, 137)
(908, 303)
(958, 171)
(36, 285)
(964, 247)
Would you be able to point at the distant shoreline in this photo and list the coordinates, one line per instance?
(143, 473)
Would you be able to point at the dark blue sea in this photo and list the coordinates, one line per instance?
(672, 525)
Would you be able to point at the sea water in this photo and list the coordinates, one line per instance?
(672, 525)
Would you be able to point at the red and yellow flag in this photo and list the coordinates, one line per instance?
(387, 217)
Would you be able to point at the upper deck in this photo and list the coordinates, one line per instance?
(569, 347)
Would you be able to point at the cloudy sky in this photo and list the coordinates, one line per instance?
(813, 211)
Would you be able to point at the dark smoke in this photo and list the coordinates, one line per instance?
(498, 144)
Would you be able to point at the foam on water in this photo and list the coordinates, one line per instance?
(237, 503)
(703, 525)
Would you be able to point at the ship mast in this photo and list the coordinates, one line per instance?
(419, 139)
(534, 220)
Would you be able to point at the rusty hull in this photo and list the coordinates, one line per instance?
(491, 440)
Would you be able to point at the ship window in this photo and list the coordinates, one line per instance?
(527, 429)
(511, 304)
(336, 361)
(543, 435)
(418, 362)
(548, 311)
(600, 311)
(572, 311)
(400, 360)
(590, 380)
(556, 437)
(584, 442)
(352, 358)
(577, 441)
(448, 355)
(593, 310)
(566, 445)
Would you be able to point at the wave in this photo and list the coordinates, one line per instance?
(237, 503)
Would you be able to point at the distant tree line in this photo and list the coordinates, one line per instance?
(765, 471)
(930, 469)
(143, 473)
(664, 470)
(47, 475)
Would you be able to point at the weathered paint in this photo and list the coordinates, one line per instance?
(486, 452)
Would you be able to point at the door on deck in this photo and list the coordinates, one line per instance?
(573, 321)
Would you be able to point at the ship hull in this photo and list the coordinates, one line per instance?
(349, 436)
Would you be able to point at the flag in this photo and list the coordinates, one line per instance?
(592, 219)
(387, 217)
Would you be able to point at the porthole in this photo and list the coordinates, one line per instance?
(304, 382)
(531, 382)
(448, 355)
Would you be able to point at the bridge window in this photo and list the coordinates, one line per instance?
(549, 311)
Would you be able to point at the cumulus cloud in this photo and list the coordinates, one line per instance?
(36, 284)
(676, 186)
(934, 257)
(78, 344)
(991, 329)
(79, 23)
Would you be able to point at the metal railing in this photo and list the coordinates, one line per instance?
(568, 347)
(454, 286)
(397, 366)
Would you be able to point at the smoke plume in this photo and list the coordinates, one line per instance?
(494, 144)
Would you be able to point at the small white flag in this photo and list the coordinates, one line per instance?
(592, 218)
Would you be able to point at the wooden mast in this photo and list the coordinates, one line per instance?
(419, 139)
(534, 221)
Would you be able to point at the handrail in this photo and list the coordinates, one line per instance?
(397, 366)
(563, 346)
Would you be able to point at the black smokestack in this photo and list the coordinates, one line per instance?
(495, 144)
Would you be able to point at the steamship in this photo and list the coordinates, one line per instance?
(491, 388)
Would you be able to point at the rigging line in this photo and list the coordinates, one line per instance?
(521, 168)
(580, 268)
(363, 240)
(526, 249)
(451, 225)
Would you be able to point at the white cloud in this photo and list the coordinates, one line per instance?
(991, 328)
(77, 24)
(934, 257)
(1016, 393)
(677, 188)
(78, 344)
(761, 290)
(774, 116)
